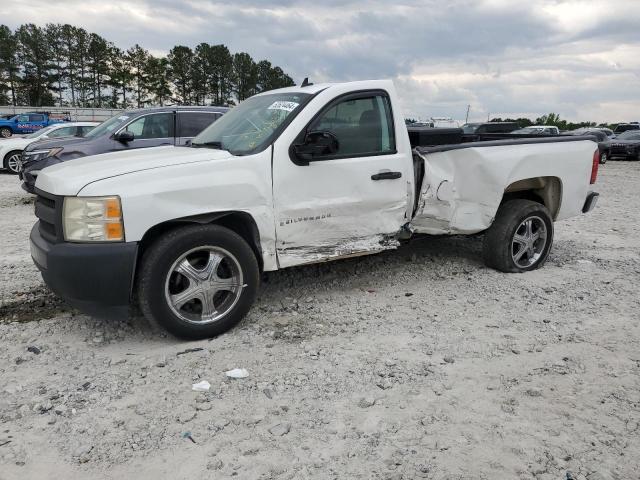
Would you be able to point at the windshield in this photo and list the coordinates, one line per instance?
(108, 126)
(42, 131)
(469, 127)
(251, 125)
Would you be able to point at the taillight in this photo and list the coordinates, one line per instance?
(594, 166)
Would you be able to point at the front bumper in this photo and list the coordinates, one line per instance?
(590, 202)
(86, 274)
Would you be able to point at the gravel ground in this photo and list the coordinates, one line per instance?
(419, 363)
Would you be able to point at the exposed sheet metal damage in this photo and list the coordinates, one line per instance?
(326, 251)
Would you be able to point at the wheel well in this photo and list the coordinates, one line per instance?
(240, 222)
(6, 157)
(544, 190)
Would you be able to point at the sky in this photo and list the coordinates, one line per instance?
(577, 58)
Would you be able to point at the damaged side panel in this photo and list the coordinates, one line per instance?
(463, 188)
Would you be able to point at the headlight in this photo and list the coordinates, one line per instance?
(92, 219)
(37, 155)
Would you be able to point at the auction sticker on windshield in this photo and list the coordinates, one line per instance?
(281, 105)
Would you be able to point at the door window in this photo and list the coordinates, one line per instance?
(82, 131)
(191, 124)
(158, 125)
(23, 118)
(62, 132)
(36, 118)
(362, 127)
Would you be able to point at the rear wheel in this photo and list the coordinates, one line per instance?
(12, 162)
(604, 156)
(520, 237)
(198, 281)
(5, 132)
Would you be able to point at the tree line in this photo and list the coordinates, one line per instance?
(65, 65)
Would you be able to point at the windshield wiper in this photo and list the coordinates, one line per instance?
(217, 145)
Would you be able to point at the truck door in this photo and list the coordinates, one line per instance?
(36, 122)
(150, 130)
(339, 183)
(23, 124)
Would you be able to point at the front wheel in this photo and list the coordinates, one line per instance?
(5, 132)
(12, 162)
(198, 281)
(520, 238)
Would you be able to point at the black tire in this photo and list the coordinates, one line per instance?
(604, 156)
(9, 165)
(155, 278)
(5, 132)
(500, 238)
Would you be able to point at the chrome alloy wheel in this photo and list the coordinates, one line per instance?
(204, 284)
(14, 164)
(529, 242)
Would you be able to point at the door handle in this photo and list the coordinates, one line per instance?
(386, 176)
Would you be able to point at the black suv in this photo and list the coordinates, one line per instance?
(149, 127)
(627, 145)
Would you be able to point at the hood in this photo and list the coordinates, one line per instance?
(14, 142)
(70, 177)
(56, 142)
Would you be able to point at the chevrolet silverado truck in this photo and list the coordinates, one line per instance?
(290, 177)
(26, 123)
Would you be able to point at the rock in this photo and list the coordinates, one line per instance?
(82, 453)
(366, 402)
(280, 429)
(268, 393)
(204, 406)
(33, 349)
(187, 416)
(449, 359)
(215, 464)
(60, 409)
(43, 407)
(534, 392)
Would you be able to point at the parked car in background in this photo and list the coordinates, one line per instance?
(623, 127)
(149, 127)
(489, 127)
(607, 131)
(11, 148)
(444, 122)
(538, 130)
(626, 145)
(602, 138)
(26, 123)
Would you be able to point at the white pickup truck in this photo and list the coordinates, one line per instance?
(290, 177)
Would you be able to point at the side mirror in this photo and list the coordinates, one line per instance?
(317, 143)
(125, 136)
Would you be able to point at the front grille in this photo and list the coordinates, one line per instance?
(618, 149)
(48, 209)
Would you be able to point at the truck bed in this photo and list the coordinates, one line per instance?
(459, 186)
